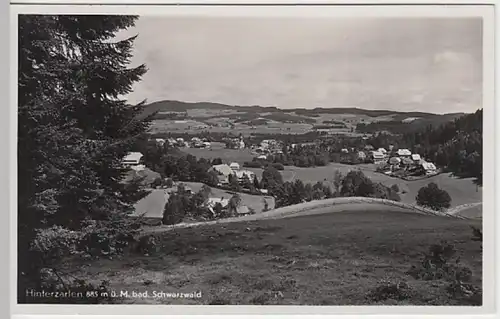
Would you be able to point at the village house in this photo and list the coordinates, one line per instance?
(234, 166)
(344, 150)
(212, 201)
(160, 141)
(262, 157)
(377, 157)
(403, 152)
(132, 158)
(241, 174)
(428, 168)
(416, 158)
(382, 150)
(223, 171)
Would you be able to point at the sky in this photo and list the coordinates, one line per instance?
(405, 64)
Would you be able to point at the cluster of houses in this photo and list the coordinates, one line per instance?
(195, 142)
(393, 160)
(224, 171)
(401, 159)
(268, 147)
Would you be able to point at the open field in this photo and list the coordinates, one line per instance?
(328, 259)
(153, 204)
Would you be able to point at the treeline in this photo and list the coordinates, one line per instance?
(355, 183)
(457, 146)
(177, 165)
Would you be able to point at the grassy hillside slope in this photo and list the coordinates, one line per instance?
(328, 259)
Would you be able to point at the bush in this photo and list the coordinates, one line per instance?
(157, 182)
(438, 263)
(356, 183)
(395, 188)
(466, 294)
(278, 166)
(433, 197)
(169, 183)
(388, 290)
(384, 192)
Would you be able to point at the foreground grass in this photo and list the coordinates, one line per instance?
(330, 259)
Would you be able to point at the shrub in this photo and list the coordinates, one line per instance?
(384, 192)
(278, 166)
(266, 205)
(169, 183)
(466, 294)
(477, 234)
(388, 290)
(146, 245)
(356, 183)
(395, 188)
(438, 263)
(157, 182)
(433, 197)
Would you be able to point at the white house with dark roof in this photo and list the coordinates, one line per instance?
(416, 157)
(234, 166)
(132, 158)
(223, 171)
(429, 168)
(403, 152)
(240, 174)
(377, 157)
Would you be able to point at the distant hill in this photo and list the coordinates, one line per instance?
(178, 106)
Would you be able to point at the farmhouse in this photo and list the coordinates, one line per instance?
(242, 210)
(377, 157)
(234, 166)
(212, 201)
(403, 152)
(429, 168)
(132, 158)
(416, 158)
(241, 174)
(223, 171)
(207, 144)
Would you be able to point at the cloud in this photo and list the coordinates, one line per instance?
(411, 64)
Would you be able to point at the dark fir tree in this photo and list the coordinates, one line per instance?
(74, 129)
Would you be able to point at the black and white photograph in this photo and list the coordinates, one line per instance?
(251, 160)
